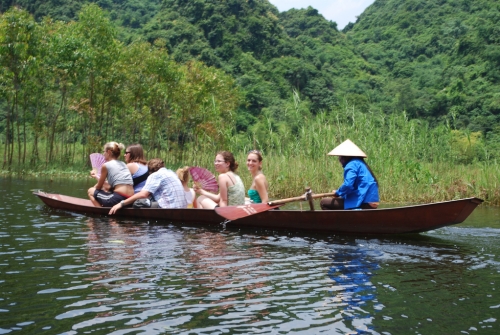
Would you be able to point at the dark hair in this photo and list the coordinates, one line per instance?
(369, 169)
(155, 164)
(229, 158)
(115, 148)
(136, 153)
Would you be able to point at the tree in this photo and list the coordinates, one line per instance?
(18, 42)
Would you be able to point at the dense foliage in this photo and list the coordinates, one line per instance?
(68, 88)
(148, 68)
(439, 58)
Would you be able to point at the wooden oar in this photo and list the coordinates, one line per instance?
(237, 212)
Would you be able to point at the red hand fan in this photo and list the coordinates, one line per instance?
(204, 178)
(97, 160)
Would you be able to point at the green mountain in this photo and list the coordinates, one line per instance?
(270, 54)
(127, 14)
(273, 56)
(438, 57)
(432, 59)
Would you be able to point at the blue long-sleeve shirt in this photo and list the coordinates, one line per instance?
(359, 185)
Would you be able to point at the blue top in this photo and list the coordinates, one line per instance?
(143, 169)
(359, 186)
(254, 196)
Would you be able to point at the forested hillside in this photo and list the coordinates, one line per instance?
(67, 87)
(438, 61)
(129, 14)
(438, 57)
(272, 56)
(429, 58)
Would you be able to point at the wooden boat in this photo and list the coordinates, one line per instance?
(399, 220)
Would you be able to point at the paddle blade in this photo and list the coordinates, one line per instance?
(237, 212)
(204, 178)
(97, 160)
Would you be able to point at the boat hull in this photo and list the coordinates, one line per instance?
(398, 220)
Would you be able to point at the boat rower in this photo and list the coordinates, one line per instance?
(360, 187)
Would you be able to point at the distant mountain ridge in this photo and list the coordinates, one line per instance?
(445, 54)
(432, 59)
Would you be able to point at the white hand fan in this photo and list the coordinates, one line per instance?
(97, 160)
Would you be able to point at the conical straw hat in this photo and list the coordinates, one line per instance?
(347, 148)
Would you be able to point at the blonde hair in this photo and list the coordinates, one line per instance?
(258, 154)
(183, 174)
(116, 148)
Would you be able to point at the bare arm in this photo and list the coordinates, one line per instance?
(102, 178)
(129, 201)
(261, 186)
(223, 181)
(217, 198)
(132, 167)
(200, 191)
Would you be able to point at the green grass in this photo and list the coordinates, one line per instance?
(413, 162)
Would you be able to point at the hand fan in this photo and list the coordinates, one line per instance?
(204, 178)
(97, 160)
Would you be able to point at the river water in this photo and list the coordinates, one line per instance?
(65, 273)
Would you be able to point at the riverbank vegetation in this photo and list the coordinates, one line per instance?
(413, 162)
(195, 84)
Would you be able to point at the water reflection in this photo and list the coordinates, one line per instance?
(351, 273)
(222, 272)
(62, 273)
(414, 284)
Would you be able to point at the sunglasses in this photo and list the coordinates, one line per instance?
(254, 152)
(127, 152)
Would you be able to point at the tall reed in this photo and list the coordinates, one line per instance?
(414, 163)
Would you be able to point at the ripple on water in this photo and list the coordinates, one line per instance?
(113, 276)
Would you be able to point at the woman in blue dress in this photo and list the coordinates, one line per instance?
(360, 187)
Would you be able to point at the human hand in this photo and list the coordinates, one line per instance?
(115, 208)
(197, 189)
(93, 173)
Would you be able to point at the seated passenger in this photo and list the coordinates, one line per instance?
(231, 188)
(183, 174)
(162, 184)
(134, 157)
(257, 193)
(115, 173)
